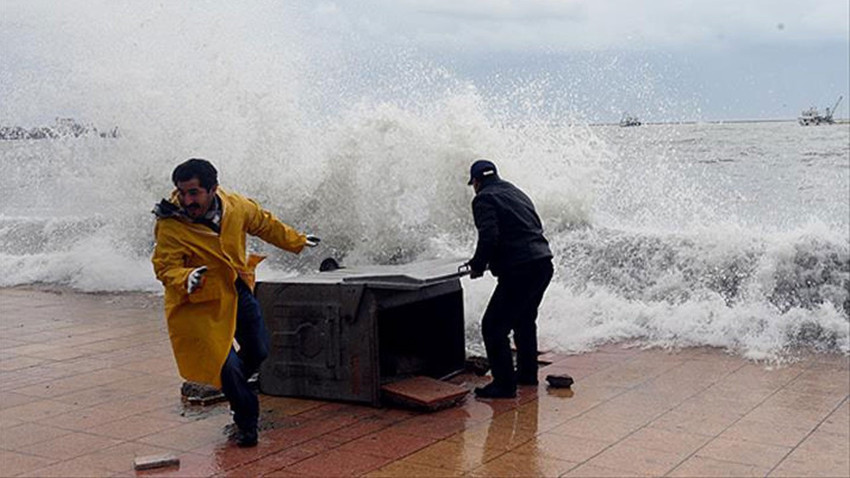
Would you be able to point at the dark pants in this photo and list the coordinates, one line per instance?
(253, 342)
(513, 306)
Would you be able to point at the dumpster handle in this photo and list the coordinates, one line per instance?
(464, 269)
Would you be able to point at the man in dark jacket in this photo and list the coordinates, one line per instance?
(511, 244)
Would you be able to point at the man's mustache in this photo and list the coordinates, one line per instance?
(193, 206)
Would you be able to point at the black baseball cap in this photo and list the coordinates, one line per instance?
(481, 169)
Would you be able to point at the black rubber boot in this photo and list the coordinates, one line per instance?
(246, 438)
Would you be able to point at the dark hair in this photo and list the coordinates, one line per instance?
(196, 168)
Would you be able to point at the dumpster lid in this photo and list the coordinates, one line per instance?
(411, 276)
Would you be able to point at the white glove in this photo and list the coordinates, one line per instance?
(195, 280)
(312, 241)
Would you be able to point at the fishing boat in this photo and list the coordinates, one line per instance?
(812, 116)
(629, 120)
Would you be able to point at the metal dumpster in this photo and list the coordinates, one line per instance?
(341, 334)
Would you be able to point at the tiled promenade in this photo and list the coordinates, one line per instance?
(87, 382)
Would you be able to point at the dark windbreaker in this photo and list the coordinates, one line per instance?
(509, 230)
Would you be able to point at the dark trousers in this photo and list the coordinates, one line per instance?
(513, 307)
(253, 342)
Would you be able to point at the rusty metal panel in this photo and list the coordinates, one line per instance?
(322, 344)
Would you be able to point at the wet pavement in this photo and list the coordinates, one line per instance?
(88, 383)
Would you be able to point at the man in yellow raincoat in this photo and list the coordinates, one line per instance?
(200, 258)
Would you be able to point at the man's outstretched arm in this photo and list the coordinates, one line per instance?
(266, 226)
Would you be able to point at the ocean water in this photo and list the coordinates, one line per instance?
(729, 235)
(732, 235)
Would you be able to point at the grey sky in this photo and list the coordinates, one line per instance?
(580, 25)
(662, 59)
(666, 59)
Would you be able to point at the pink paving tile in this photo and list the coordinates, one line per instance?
(331, 410)
(629, 409)
(810, 467)
(563, 447)
(338, 463)
(751, 376)
(838, 422)
(501, 405)
(228, 456)
(827, 451)
(806, 401)
(698, 466)
(130, 428)
(68, 368)
(824, 382)
(432, 426)
(679, 442)
(141, 384)
(185, 437)
(54, 388)
(68, 469)
(14, 464)
(19, 362)
(487, 435)
(6, 422)
(93, 396)
(12, 399)
(144, 404)
(447, 455)
(748, 453)
(388, 443)
(279, 460)
(807, 419)
(765, 433)
(527, 418)
(160, 366)
(596, 428)
(593, 471)
(82, 419)
(708, 424)
(517, 464)
(302, 431)
(18, 437)
(636, 460)
(37, 410)
(715, 404)
(69, 446)
(361, 428)
(405, 469)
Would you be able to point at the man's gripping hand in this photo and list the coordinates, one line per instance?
(312, 241)
(473, 273)
(196, 279)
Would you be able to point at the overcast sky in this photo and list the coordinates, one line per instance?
(665, 59)
(660, 59)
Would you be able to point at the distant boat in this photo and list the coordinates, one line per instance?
(812, 116)
(629, 120)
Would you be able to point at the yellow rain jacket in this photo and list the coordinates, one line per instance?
(202, 325)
